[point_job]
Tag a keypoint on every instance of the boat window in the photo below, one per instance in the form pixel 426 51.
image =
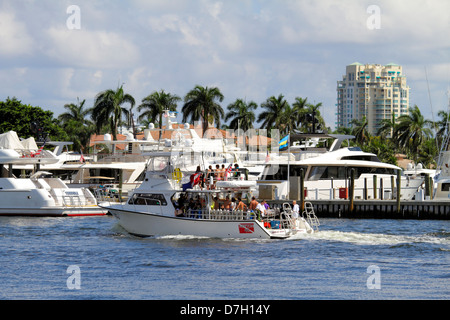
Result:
pixel 149 199
pixel 362 158
pixel 445 187
pixel 270 173
pixel 317 173
pixel 339 172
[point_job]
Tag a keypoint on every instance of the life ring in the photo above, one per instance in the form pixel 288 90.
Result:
pixel 177 175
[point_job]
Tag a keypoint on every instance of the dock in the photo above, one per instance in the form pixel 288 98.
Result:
pixel 377 209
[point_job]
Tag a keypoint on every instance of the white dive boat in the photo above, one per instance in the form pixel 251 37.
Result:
pixel 159 206
pixel 327 176
pixel 40 195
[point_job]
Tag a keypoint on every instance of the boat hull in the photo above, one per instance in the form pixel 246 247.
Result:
pixel 147 224
pixel 54 212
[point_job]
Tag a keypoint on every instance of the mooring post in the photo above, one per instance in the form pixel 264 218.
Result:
pixel 375 186
pixel 398 190
pixel 392 187
pixel 302 190
pixel 352 189
pixel 365 189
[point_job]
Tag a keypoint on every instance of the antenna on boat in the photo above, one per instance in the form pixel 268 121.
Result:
pixel 445 140
pixel 431 105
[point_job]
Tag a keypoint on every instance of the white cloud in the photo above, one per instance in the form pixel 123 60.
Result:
pixel 248 48
pixel 94 49
pixel 14 37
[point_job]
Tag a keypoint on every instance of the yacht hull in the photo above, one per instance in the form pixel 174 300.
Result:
pixel 147 224
pixel 54 212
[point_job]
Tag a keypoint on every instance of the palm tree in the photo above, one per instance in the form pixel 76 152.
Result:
pixel 242 114
pixel 108 109
pixel 386 127
pixel 274 108
pixel 442 127
pixel 301 106
pixel 74 122
pixel 201 103
pixel 75 112
pixel 411 131
pixel 288 119
pixel 313 114
pixel 155 104
pixel 360 131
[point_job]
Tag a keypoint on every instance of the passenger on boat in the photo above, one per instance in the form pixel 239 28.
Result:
pixel 295 209
pixel 209 178
pixel 217 173
pixel 261 207
pixel 216 204
pixel 222 172
pixel 253 204
pixel 233 203
pixel 179 208
pixel 227 203
pixel 241 206
pixel 237 174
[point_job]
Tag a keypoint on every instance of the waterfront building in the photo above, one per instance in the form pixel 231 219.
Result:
pixel 373 91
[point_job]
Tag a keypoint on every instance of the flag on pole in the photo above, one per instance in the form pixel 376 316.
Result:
pixel 267 156
pixel 39 151
pixel 228 171
pixel 284 142
pixel 82 157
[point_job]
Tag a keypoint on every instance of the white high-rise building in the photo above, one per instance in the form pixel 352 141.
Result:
pixel 373 91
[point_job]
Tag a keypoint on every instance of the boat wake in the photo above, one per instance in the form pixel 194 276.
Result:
pixel 357 238
pixel 376 238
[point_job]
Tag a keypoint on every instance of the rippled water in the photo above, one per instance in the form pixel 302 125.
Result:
pixel 346 259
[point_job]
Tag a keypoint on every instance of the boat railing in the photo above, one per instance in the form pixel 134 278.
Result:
pixel 309 215
pixel 386 193
pixel 75 201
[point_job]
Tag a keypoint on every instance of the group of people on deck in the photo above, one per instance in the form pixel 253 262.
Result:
pixel 220 173
pixel 256 206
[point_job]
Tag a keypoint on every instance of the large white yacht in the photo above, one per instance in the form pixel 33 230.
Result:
pixel 327 174
pixel 40 194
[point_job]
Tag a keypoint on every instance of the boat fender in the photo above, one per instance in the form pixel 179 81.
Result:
pixel 177 175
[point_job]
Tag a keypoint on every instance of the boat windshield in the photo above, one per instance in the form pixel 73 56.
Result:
pixel 158 164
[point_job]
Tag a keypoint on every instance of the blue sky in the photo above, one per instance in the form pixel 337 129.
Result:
pixel 249 49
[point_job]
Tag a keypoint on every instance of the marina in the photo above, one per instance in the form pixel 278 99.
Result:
pixel 219 158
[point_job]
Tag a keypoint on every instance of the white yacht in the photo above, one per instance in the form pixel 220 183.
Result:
pixel 327 175
pixel 38 195
pixel 160 206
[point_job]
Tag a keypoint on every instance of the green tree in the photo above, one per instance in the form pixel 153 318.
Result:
pixel 19 117
pixel 108 110
pixel 202 103
pixel 273 109
pixel 381 147
pixel 360 131
pixel 154 105
pixel 78 128
pixel 442 127
pixel 411 131
pixel 287 120
pixel 241 114
pixel 387 127
pixel 312 111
